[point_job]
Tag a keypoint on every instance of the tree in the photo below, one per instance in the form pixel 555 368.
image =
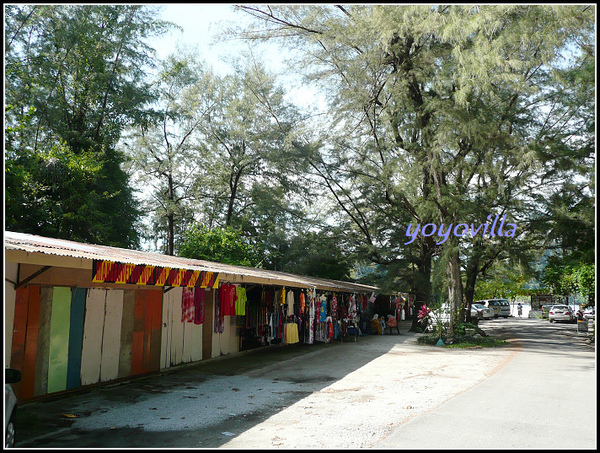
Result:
pixel 222 245
pixel 433 107
pixel 318 255
pixel 248 138
pixel 74 80
pixel 166 151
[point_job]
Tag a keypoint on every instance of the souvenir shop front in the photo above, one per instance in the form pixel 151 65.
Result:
pixel 273 315
pixel 79 314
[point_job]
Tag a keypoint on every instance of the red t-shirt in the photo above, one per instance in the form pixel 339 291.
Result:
pixel 227 296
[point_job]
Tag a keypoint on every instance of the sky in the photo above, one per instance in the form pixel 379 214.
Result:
pixel 201 23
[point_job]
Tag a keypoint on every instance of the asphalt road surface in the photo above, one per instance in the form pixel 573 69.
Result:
pixel 380 392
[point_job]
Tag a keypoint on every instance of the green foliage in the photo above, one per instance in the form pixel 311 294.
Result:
pixel 439 114
pixel 74 80
pixel 502 280
pixel 222 245
pixel 564 278
pixel 316 255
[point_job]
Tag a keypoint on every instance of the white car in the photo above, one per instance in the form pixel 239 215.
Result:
pixel 589 313
pixel 481 311
pixel 10 406
pixel 561 313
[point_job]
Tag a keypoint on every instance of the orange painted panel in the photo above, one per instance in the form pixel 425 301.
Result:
pixel 17 358
pixel 145 349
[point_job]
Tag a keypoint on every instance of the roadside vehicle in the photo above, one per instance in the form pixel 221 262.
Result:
pixel 11 376
pixel 589 313
pixel 561 313
pixel 482 312
pixel 504 308
pixel 493 304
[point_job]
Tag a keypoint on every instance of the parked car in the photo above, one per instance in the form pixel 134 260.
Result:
pixel 504 308
pixel 561 313
pixel 589 313
pixel 478 310
pixel 493 304
pixel 11 376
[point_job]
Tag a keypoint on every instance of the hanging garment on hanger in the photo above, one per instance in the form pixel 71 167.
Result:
pixel 302 303
pixel 281 296
pixel 228 296
pixel 219 322
pixel 290 303
pixel 334 306
pixel 240 303
pixel 323 309
pixel 199 299
pixel 187 305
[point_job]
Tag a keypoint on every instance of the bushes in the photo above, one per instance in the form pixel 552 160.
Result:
pixel 465 335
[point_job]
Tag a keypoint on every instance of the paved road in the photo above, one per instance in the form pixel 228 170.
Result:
pixel 545 398
pixel 381 392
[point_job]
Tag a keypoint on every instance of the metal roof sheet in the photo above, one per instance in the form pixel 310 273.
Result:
pixel 60 247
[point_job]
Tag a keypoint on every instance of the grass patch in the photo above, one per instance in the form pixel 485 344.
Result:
pixel 462 342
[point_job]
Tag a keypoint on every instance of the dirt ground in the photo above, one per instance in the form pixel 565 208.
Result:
pixel 339 395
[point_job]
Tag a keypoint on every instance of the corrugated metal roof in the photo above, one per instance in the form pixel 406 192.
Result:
pixel 61 247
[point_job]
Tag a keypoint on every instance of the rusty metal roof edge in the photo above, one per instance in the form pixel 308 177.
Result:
pixel 62 247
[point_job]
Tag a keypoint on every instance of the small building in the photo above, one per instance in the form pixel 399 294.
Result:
pixel 78 314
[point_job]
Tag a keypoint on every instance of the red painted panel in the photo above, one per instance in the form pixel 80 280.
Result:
pixel 31 343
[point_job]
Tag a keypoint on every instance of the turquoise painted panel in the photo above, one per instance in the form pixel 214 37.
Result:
pixel 76 337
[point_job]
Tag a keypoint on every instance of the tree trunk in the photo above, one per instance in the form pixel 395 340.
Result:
pixel 455 288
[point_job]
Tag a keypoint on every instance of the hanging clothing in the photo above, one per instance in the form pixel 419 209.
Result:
pixel 228 296
pixel 334 307
pixel 199 298
pixel 219 322
pixel 240 303
pixel 291 333
pixel 290 303
pixel 311 316
pixel 281 296
pixel 302 303
pixel 323 309
pixel 187 305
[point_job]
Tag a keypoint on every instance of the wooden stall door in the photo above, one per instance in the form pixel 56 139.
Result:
pixel 145 350
pixel 25 338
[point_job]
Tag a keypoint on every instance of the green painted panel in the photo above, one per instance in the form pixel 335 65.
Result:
pixel 59 339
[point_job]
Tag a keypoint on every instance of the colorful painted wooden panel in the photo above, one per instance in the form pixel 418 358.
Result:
pixel 25 334
pixel 76 337
pixel 91 354
pixel 111 337
pixel 59 339
pixel 145 349
pixel 172 332
pixel 43 342
pixel 126 333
